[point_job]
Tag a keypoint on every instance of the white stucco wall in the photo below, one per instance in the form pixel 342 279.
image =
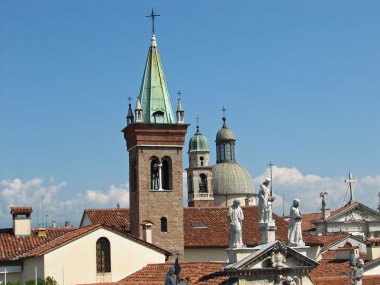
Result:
pixel 75 262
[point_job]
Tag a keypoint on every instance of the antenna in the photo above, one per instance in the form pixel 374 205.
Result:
pixel 42 210
pixel 283 205
pixel 271 178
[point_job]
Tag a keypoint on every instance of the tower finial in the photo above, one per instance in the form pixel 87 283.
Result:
pixel 224 117
pixel 197 124
pixel 152 15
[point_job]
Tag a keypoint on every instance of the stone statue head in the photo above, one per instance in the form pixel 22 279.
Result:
pixel 171 271
pixel 267 181
pixel 236 202
pixel 296 202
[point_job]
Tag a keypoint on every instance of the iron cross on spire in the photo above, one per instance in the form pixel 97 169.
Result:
pixel 152 15
pixel 179 93
pixel 350 181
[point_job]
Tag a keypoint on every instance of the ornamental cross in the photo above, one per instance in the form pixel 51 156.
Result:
pixel 179 93
pixel 152 15
pixel 270 164
pixel 350 181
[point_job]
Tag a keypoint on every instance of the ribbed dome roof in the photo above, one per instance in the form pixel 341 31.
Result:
pixel 231 178
pixel 198 142
pixel 225 134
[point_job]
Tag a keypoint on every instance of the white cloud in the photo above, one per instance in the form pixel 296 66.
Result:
pixel 292 183
pixel 15 192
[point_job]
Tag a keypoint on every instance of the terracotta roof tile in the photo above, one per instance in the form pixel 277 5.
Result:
pixel 12 247
pixel 216 234
pixel 21 210
pixel 329 240
pixel 203 227
pixel 200 273
pixel 116 218
pixel 306 221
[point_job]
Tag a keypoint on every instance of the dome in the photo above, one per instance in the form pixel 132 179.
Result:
pixel 225 134
pixel 198 143
pixel 231 178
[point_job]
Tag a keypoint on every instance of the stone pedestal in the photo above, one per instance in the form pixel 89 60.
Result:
pixel 325 213
pixel 237 254
pixel 267 232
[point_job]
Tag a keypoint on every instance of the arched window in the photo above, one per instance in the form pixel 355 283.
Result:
pixel 103 255
pixel 164 224
pixel 202 183
pixel 222 157
pixel 166 171
pixel 228 151
pixel 154 174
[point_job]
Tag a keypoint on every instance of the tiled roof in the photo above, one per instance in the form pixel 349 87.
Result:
pixel 217 232
pixel 329 240
pixel 307 225
pixel 200 273
pixel 12 247
pixel 116 218
pixel 21 210
pixel 333 271
pixel 373 241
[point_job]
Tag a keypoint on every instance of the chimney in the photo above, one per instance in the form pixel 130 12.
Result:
pixel 373 248
pixel 347 253
pixel 147 230
pixel 22 222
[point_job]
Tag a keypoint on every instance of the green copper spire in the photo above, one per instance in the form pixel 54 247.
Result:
pixel 155 100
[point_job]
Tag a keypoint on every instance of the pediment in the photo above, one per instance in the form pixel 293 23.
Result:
pixel 359 213
pixel 273 256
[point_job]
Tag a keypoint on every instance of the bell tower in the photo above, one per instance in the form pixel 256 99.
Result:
pixel 155 142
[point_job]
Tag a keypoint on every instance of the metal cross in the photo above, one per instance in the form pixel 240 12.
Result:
pixel 350 181
pixel 152 15
pixel 224 111
pixel 129 99
pixel 179 93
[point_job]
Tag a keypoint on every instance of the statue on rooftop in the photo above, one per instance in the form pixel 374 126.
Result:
pixel 169 278
pixel 236 217
pixel 295 220
pixel 266 199
pixel 356 274
pixel 323 195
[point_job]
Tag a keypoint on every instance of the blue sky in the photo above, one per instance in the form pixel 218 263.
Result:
pixel 300 81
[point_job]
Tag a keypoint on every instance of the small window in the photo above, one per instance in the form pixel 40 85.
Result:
pixel 103 255
pixel 164 225
pixel 228 151
pixel 165 175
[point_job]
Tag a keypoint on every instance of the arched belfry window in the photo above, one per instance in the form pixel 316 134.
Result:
pixel 103 255
pixel 154 174
pixel 166 170
pixel 164 224
pixel 203 183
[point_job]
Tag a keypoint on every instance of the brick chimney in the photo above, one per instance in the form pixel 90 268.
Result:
pixel 22 221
